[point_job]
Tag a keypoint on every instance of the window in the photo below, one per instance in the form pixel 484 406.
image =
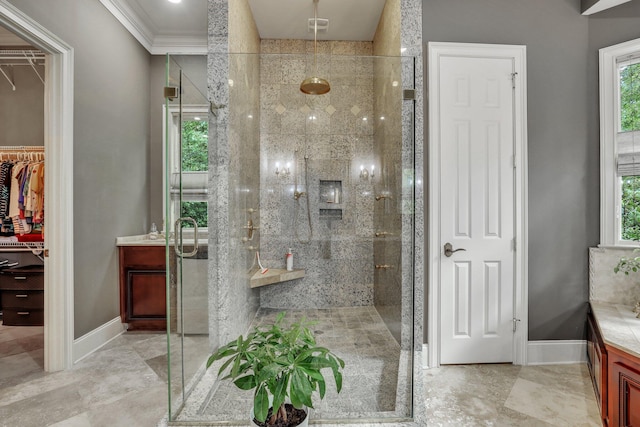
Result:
pixel 194 164
pixel 620 144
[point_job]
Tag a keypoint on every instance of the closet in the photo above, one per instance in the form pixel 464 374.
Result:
pixel 22 166
pixel 21 230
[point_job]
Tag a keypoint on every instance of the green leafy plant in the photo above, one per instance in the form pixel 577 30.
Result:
pixel 628 265
pixel 282 362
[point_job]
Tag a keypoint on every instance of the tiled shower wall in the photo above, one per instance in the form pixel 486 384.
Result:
pixel 335 133
pixel 233 178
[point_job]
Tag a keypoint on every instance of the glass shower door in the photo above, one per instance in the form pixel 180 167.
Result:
pixel 186 176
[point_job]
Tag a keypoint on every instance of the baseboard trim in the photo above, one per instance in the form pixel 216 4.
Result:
pixel 425 356
pixel 93 340
pixel 556 352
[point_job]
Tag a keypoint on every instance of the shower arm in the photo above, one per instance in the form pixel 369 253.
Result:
pixel 315 36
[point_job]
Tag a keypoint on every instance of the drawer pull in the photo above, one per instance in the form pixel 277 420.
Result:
pixel 22 296
pixel 20 278
pixel 23 313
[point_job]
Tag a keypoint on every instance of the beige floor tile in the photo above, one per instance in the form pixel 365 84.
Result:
pixel 552 405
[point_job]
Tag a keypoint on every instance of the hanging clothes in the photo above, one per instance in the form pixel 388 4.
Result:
pixel 22 197
pixel 5 187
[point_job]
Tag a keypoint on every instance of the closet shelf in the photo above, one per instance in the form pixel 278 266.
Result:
pixel 21 246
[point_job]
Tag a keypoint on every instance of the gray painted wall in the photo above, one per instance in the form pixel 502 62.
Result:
pixel 563 144
pixel 111 137
pixel 22 110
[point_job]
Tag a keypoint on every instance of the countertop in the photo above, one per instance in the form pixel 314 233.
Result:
pixel 619 326
pixel 144 240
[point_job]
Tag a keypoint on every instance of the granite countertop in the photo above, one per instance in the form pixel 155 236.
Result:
pixel 619 326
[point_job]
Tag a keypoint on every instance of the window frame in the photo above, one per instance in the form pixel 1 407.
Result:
pixel 171 163
pixel 610 183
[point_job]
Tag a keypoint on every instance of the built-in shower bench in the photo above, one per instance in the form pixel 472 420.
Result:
pixel 274 275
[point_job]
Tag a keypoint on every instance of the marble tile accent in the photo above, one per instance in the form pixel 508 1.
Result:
pixel 607 286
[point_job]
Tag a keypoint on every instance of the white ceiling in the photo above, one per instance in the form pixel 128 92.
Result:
pixel 288 19
pixel 161 26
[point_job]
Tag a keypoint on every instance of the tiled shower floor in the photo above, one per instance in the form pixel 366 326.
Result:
pixel 357 335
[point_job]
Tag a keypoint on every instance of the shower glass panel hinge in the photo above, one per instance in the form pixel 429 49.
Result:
pixel 408 94
pixel 515 324
pixel 170 92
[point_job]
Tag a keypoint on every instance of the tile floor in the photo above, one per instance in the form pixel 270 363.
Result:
pixel 359 336
pixel 124 384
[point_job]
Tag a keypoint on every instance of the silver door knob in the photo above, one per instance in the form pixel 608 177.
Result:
pixel 448 250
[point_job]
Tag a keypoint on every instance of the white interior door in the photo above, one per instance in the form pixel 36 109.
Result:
pixel 477 210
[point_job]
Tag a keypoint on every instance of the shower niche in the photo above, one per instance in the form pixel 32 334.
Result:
pixel 331 198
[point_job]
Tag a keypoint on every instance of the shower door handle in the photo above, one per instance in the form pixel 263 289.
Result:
pixel 177 231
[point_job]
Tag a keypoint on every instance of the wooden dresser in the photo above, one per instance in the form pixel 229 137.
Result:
pixel 22 291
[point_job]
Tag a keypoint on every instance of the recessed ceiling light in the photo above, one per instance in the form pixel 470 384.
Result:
pixel 175 1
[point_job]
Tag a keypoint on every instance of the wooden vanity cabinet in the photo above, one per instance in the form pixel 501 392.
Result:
pixel 143 301
pixel 597 362
pixel 624 388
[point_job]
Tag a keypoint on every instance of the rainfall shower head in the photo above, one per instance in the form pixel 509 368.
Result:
pixel 315 85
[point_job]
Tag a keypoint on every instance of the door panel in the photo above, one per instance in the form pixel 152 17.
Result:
pixel 477 209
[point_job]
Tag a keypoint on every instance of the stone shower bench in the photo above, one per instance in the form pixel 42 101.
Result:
pixel 274 275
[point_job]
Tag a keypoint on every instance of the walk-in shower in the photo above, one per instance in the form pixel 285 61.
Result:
pixel 287 170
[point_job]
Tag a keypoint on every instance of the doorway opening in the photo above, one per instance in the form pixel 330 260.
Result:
pixel 58 184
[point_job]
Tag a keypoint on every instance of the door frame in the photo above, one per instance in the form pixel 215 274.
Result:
pixel 517 53
pixel 58 145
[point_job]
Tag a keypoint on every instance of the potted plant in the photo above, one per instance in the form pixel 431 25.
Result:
pixel 282 364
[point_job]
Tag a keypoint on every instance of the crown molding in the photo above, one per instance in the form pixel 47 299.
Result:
pixel 131 21
pixel 589 7
pixel 184 45
pixel 156 44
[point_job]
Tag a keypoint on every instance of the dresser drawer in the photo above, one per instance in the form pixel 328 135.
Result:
pixel 22 280
pixel 23 299
pixel 22 317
